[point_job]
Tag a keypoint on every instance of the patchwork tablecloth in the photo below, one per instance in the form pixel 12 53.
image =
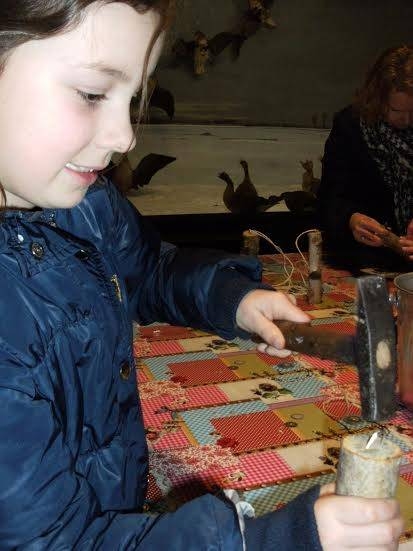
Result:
pixel 220 414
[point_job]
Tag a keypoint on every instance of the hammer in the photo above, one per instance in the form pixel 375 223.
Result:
pixel 372 349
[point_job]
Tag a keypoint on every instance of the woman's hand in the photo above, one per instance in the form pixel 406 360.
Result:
pixel 407 241
pixel 357 523
pixel 256 313
pixel 366 230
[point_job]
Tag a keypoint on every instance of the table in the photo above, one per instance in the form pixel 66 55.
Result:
pixel 220 414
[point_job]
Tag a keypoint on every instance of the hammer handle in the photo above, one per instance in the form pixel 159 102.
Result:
pixel 316 341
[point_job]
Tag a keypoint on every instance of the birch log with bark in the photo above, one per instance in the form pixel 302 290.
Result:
pixel 368 472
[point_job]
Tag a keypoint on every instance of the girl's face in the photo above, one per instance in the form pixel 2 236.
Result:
pixel 64 105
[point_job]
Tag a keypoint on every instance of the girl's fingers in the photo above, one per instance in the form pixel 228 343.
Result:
pixel 360 510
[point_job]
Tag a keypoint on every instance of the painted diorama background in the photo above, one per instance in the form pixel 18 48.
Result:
pixel 309 64
pixel 266 107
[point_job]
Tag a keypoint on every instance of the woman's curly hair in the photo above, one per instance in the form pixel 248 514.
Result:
pixel 392 71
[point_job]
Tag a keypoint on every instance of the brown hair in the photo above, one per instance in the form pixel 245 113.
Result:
pixel 24 20
pixel 392 71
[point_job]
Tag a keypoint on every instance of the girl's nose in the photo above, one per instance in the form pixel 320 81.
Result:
pixel 116 133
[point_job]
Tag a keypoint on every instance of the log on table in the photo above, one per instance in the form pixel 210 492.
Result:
pixel 371 472
pixel 315 289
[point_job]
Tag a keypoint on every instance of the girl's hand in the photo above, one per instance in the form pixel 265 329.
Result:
pixel 366 230
pixel 256 313
pixel 357 523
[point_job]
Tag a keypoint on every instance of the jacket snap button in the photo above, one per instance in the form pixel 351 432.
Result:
pixel 82 254
pixel 37 250
pixel 125 371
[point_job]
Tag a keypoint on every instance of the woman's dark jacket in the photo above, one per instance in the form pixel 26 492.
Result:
pixel 350 182
pixel 73 454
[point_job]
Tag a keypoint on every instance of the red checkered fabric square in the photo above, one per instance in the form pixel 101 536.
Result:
pixel 318 363
pixel 165 348
pixel 141 376
pixel 339 297
pixel 337 409
pixel 208 479
pixel 199 372
pixel 253 431
pixel 402 417
pixel 151 406
pixel 408 477
pixel 302 302
pixel 205 396
pixel 346 376
pixel 171 441
pixel 272 360
pixel 153 493
pixel 259 468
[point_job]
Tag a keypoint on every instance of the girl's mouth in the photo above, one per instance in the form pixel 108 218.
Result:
pixel 85 175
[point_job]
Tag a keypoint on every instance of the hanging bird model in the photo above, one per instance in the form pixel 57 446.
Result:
pixel 257 16
pixel 201 51
pixel 245 199
pixel 126 178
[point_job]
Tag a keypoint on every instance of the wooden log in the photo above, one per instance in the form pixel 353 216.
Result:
pixel 250 243
pixel 368 472
pixel 315 288
pixel 392 241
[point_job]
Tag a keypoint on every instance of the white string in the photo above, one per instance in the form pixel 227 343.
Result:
pixel 292 268
pixel 298 248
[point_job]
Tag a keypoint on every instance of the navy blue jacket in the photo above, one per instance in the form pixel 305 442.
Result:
pixel 73 455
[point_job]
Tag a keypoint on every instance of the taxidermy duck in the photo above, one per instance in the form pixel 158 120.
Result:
pixel 245 199
pixel 299 202
pixel 126 178
pixel 309 183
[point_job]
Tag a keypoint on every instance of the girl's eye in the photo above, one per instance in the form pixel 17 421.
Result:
pixel 91 98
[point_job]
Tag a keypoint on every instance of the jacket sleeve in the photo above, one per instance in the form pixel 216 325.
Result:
pixel 292 528
pixel 197 287
pixel 342 188
pixel 45 505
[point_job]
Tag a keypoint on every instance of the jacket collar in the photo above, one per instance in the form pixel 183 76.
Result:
pixel 35 241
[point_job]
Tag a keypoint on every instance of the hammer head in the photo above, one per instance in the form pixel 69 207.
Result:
pixel 375 349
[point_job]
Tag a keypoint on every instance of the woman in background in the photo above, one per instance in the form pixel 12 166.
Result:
pixel 367 176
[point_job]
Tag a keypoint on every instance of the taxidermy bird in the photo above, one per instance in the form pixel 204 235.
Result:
pixel 310 183
pixel 201 51
pixel 299 202
pixel 126 178
pixel 157 97
pixel 245 199
pixel 254 18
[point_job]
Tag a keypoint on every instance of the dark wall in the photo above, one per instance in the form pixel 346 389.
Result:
pixel 310 64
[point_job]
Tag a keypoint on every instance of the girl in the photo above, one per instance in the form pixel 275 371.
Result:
pixel 77 264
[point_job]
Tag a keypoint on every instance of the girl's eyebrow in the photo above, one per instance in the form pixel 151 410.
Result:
pixel 107 70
